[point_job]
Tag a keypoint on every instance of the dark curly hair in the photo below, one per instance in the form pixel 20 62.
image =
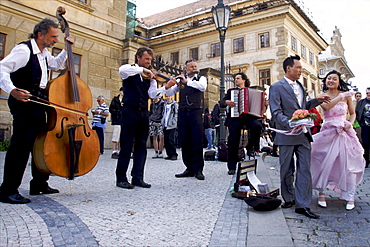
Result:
pixel 247 83
pixel 342 85
pixel 43 26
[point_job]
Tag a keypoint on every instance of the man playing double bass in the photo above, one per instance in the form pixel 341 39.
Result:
pixel 24 74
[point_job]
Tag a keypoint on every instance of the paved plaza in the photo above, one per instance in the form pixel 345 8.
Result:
pixel 92 211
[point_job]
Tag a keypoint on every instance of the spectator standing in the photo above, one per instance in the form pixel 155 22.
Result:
pixel 208 128
pixel 99 122
pixel 363 118
pixel 169 122
pixel 156 127
pixel 356 125
pixel 115 110
pixel 215 115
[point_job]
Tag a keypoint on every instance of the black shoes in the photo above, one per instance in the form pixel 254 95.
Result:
pixel 125 185
pixel 185 174
pixel 115 155
pixel 199 175
pixel 288 204
pixel 141 183
pixel 173 157
pixel 231 172
pixel 307 212
pixel 46 190
pixel 14 199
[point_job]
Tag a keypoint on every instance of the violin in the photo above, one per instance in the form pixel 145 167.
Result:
pixel 160 78
pixel 69 147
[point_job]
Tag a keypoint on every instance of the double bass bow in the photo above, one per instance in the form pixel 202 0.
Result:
pixel 69 147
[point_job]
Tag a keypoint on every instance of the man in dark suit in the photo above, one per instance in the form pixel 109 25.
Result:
pixel 286 96
pixel 190 123
pixel 139 86
pixel 236 124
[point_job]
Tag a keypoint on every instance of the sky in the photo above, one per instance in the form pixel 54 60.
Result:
pixel 350 16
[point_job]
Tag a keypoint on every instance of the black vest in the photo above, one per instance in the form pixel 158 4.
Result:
pixel 28 77
pixel 190 98
pixel 136 92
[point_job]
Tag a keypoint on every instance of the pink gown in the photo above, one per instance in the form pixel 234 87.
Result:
pixel 337 161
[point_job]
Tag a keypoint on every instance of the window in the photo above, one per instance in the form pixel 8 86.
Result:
pixel 303 52
pixel 84 1
pixel 321 71
pixel 193 53
pixel 76 61
pixel 175 57
pixel 264 40
pixel 216 50
pixel 264 77
pixel 294 44
pixel 2 45
pixel 305 82
pixel 238 45
pixel 312 59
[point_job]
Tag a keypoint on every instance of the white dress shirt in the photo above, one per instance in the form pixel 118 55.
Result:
pixel 18 58
pixel 128 70
pixel 298 91
pixel 201 85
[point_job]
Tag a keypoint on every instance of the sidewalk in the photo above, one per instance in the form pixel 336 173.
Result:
pixel 92 211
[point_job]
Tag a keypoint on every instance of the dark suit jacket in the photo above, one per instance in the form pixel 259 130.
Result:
pixel 283 103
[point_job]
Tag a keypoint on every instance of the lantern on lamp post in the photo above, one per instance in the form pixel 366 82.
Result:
pixel 221 14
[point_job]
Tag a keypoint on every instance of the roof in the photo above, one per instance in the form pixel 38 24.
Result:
pixel 180 12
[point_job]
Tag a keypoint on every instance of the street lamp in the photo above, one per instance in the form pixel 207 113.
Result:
pixel 221 14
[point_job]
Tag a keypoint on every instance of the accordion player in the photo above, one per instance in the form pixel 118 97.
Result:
pixel 247 101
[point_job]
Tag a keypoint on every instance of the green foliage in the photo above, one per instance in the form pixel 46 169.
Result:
pixel 4 145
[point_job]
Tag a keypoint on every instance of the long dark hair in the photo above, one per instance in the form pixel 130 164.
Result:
pixel 247 83
pixel 342 85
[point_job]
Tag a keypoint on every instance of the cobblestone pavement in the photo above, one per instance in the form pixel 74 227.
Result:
pixel 336 226
pixel 92 211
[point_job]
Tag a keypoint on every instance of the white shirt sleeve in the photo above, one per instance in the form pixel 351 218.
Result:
pixel 17 59
pixel 55 63
pixel 201 85
pixel 128 70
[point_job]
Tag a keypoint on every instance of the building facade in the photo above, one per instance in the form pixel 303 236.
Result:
pixel 98 27
pixel 260 36
pixel 333 58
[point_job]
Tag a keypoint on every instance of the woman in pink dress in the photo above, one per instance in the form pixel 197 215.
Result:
pixel 337 161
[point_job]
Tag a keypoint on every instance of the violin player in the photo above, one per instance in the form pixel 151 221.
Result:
pixel 24 74
pixel 190 124
pixel 139 85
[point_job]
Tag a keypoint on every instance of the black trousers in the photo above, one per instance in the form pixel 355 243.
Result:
pixel 190 128
pixel 365 136
pixel 134 133
pixel 169 142
pixel 29 119
pixel 100 133
pixel 236 125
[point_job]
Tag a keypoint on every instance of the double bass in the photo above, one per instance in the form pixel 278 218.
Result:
pixel 69 147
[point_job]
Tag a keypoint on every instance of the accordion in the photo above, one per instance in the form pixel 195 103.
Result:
pixel 247 101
